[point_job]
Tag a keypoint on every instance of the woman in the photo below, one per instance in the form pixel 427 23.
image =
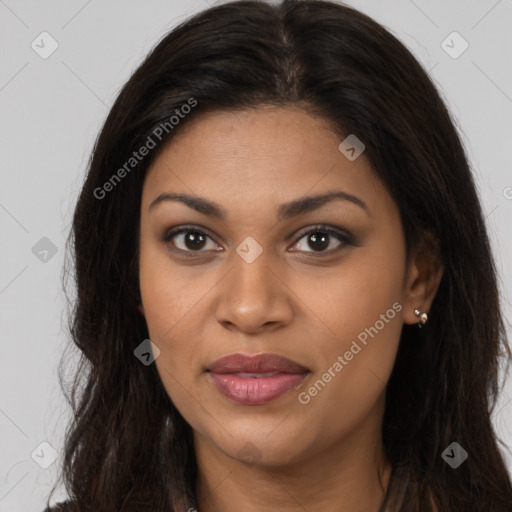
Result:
pixel 286 297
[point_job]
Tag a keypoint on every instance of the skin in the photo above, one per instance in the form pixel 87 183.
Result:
pixel 323 455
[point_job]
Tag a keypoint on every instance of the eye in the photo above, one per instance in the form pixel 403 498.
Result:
pixel 190 239
pixel 193 240
pixel 320 237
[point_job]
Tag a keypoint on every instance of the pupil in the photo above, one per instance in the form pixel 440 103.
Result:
pixel 319 241
pixel 195 239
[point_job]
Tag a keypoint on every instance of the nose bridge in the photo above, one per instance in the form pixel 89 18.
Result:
pixel 251 277
pixel 251 295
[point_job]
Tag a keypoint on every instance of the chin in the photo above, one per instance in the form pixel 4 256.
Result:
pixel 263 445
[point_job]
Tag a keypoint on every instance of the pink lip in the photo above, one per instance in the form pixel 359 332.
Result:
pixel 253 390
pixel 256 390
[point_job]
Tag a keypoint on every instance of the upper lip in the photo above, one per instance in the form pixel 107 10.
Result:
pixel 259 363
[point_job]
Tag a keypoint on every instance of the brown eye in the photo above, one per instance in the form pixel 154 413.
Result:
pixel 321 237
pixel 187 239
pixel 321 240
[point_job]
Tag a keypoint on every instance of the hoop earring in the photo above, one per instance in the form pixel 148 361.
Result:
pixel 423 317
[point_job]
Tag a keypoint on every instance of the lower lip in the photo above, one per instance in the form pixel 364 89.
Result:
pixel 256 390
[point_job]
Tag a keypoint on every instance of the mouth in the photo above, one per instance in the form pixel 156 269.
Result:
pixel 256 375
pixel 256 379
pixel 256 390
pixel 255 363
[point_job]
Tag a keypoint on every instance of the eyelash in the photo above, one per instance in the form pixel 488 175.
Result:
pixel 343 237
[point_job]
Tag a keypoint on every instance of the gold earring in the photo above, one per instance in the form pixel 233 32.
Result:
pixel 423 317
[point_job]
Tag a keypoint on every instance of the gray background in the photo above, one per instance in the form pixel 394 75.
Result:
pixel 51 111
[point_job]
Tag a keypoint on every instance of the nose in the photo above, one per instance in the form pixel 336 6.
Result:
pixel 254 297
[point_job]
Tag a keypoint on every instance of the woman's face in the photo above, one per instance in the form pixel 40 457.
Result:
pixel 262 277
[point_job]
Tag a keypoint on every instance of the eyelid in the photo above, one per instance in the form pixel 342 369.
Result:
pixel 344 237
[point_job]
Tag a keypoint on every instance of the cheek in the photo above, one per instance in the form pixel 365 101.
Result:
pixel 168 303
pixel 364 287
pixel 170 306
pixel 166 297
pixel 362 306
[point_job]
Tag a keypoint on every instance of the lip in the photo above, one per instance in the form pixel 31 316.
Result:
pixel 256 363
pixel 256 379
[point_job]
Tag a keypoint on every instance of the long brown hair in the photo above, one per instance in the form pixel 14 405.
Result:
pixel 128 448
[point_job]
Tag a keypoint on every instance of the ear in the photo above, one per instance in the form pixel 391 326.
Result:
pixel 140 307
pixel 424 273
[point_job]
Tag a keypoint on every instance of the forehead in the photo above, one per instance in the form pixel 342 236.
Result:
pixel 257 156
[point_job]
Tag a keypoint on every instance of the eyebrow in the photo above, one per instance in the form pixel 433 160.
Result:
pixel 284 212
